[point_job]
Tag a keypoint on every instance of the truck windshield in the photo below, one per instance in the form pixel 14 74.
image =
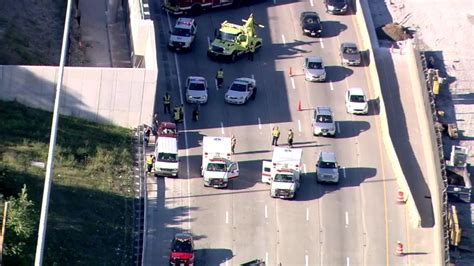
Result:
pixel 327 165
pixel 283 178
pixel 216 167
pixel 227 36
pixel 166 157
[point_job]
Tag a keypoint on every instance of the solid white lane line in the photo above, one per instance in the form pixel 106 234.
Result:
pixel 283 39
pixel 266 257
pixel 259 123
pixel 331 85
pixel 266 211
pixel 311 2
pixel 338 128
pixel 299 125
pixel 180 87
pixel 293 83
pixel 321 42
pixel 347 261
pixel 306 260
pixel 304 168
pixel 347 218
pixel 307 214
pixel 222 128
pixel 217 87
pixel 226 217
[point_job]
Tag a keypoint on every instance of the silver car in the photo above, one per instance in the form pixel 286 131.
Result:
pixel 196 90
pixel 241 90
pixel 314 69
pixel 327 169
pixel 323 123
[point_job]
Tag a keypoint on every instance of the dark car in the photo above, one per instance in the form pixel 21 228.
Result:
pixel 311 24
pixel 337 7
pixel 182 250
pixel 350 54
pixel 167 129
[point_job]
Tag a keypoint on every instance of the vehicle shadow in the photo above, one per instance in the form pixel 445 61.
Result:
pixel 337 73
pixel 348 129
pixel 212 256
pixel 354 176
pixel 332 28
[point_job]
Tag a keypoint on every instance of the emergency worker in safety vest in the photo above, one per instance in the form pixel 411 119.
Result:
pixel 167 104
pixel 275 136
pixel 290 138
pixel 233 142
pixel 150 160
pixel 177 114
pixel 220 78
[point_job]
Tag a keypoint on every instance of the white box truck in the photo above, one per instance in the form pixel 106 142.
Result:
pixel 283 172
pixel 167 159
pixel 217 166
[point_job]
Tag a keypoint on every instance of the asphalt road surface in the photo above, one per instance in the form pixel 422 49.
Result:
pixel 353 223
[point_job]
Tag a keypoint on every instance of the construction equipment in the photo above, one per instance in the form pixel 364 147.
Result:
pixel 459 184
pixel 232 40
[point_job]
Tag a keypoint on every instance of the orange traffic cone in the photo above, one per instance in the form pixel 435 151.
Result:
pixel 290 73
pixel 299 106
pixel 400 197
pixel 399 249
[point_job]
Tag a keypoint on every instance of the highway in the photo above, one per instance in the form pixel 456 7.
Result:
pixel 356 222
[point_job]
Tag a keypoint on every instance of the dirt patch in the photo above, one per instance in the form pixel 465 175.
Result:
pixel 31 31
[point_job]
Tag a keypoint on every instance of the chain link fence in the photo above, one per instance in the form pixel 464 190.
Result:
pixel 139 202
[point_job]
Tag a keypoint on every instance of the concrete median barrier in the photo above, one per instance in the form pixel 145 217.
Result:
pixel 369 42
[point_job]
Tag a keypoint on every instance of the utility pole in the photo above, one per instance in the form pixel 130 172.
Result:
pixel 52 143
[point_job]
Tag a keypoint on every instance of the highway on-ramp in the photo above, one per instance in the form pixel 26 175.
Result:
pixel 353 223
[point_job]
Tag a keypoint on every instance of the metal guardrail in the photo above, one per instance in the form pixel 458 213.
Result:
pixel 428 92
pixel 139 201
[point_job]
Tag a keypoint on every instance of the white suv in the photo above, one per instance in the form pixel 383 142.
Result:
pixel 182 36
pixel 356 101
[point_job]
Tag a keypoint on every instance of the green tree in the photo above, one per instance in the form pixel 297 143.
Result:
pixel 20 227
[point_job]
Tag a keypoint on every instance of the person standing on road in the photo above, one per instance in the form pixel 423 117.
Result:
pixel 150 160
pixel 275 135
pixel 220 78
pixel 196 112
pixel 147 135
pixel 167 103
pixel 176 114
pixel 233 142
pixel 290 138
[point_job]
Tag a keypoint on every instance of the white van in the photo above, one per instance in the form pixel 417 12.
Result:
pixel 166 154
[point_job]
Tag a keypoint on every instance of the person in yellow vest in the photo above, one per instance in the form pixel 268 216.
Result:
pixel 275 135
pixel 150 160
pixel 220 78
pixel 177 114
pixel 233 141
pixel 167 104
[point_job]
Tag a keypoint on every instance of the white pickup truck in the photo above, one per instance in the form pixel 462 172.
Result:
pixel 217 167
pixel 283 172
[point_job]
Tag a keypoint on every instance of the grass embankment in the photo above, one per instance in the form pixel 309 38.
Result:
pixel 90 212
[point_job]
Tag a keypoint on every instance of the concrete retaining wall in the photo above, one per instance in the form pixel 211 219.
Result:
pixel 119 96
pixel 142 33
pixel 369 39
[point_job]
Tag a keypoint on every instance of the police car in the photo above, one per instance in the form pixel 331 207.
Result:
pixel 182 36
pixel 196 90
pixel 241 90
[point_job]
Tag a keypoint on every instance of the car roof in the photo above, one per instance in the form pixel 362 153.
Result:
pixel 241 81
pixel 324 110
pixel 349 44
pixel 356 91
pixel 314 58
pixel 184 23
pixel 328 156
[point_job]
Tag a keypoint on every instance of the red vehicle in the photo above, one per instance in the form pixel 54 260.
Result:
pixel 167 129
pixel 182 250
pixel 195 7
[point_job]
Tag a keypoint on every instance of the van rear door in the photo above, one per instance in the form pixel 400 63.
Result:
pixel 266 171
